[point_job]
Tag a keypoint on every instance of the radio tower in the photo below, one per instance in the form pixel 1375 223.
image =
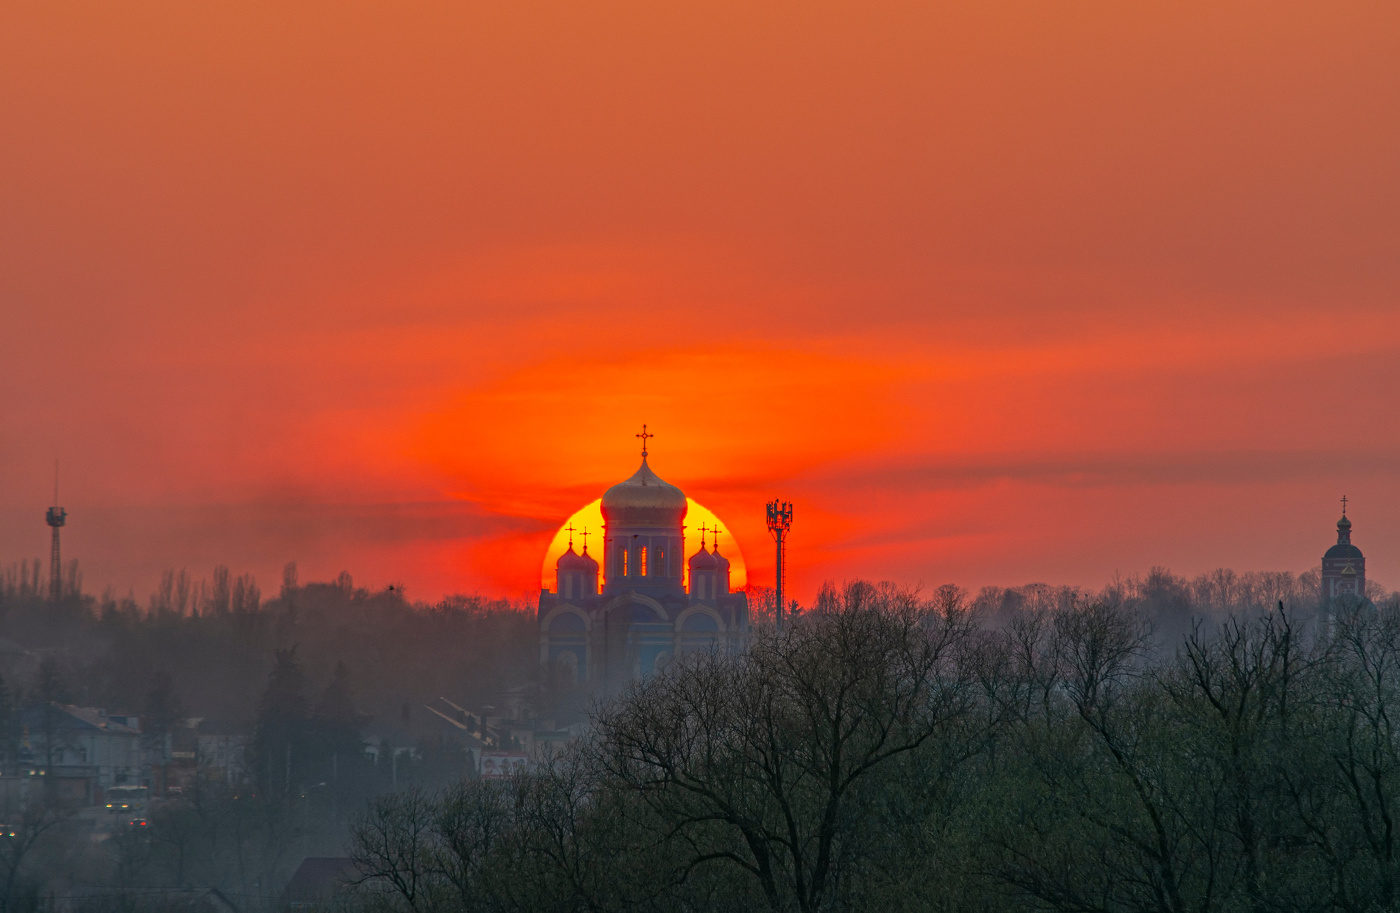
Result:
pixel 779 522
pixel 56 518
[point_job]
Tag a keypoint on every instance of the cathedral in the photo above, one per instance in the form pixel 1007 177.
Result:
pixel 648 609
pixel 1343 565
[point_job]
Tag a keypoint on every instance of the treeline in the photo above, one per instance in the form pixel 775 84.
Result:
pixel 1171 605
pixel 886 751
pixel 216 640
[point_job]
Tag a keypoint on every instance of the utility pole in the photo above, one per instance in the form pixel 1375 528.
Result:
pixel 779 522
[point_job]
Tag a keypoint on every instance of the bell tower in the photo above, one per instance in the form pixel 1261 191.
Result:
pixel 1343 565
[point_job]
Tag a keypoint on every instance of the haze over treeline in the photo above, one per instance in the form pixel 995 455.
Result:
pixel 216 636
pixel 329 687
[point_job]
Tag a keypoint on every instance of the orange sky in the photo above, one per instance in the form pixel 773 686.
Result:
pixel 993 292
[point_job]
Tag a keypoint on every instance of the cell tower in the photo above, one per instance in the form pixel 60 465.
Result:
pixel 56 517
pixel 779 522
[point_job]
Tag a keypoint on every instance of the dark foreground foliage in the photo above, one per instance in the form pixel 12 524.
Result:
pixel 891 753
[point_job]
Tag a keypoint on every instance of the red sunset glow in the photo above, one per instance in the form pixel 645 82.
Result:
pixel 993 292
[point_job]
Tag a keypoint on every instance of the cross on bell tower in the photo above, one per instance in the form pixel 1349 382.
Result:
pixel 644 435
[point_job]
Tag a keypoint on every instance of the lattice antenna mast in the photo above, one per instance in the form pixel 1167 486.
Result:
pixel 779 523
pixel 56 517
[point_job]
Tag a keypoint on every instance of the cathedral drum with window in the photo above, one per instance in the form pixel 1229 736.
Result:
pixel 644 614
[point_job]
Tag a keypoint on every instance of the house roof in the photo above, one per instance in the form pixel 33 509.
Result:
pixel 93 718
pixel 82 719
pixel 318 877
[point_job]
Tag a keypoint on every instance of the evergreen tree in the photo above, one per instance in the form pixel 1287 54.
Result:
pixel 50 690
pixel 163 709
pixel 282 739
pixel 340 723
pixel 340 727
pixel 49 684
pixel 8 743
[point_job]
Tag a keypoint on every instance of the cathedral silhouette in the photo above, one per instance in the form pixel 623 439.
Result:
pixel 648 610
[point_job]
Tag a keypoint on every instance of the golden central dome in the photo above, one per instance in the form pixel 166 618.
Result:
pixel 644 500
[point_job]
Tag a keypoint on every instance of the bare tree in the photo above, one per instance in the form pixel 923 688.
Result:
pixel 1355 822
pixel 415 851
pixel 473 818
pixel 17 845
pixel 1094 821
pixel 760 762
pixel 1234 695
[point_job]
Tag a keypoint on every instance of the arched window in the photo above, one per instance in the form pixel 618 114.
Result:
pixel 567 590
pixel 624 561
pixel 642 561
pixel 661 559
pixel 700 623
pixel 567 623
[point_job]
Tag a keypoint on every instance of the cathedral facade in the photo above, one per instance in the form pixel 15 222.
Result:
pixel 648 602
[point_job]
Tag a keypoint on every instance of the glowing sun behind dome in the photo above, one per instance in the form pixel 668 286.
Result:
pixel 658 600
pixel 590 518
